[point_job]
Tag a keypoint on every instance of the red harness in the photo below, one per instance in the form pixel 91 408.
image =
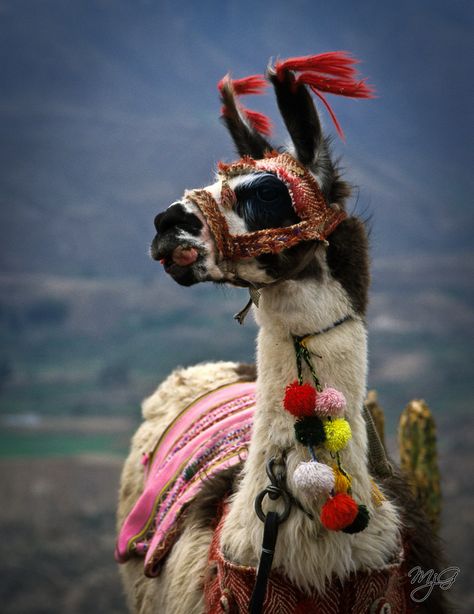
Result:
pixel 228 588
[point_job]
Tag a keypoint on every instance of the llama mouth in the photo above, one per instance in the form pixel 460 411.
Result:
pixel 181 257
pixel 178 260
pixel 169 253
pixel 184 256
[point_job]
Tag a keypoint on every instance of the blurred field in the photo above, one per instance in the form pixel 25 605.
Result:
pixel 58 536
pixel 94 346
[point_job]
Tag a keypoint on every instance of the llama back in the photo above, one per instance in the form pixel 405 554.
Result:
pixel 181 388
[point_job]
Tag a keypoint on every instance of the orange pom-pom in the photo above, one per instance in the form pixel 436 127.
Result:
pixel 300 399
pixel 339 512
pixel 341 481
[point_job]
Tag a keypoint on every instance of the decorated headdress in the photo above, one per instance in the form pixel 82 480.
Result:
pixel 332 73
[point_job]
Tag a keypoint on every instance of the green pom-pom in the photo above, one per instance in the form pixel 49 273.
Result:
pixel 310 431
pixel 361 521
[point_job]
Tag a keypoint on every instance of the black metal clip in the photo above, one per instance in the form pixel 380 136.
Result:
pixel 274 491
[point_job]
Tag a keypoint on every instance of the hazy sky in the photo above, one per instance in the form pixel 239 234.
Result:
pixel 109 110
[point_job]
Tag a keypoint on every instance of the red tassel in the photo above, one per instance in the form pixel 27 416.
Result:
pixel 254 84
pixel 259 121
pixel 332 73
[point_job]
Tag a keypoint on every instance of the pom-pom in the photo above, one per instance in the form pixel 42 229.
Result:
pixel 360 522
pixel 314 478
pixel 300 399
pixel 341 481
pixel 338 432
pixel 330 402
pixel 310 431
pixel 339 512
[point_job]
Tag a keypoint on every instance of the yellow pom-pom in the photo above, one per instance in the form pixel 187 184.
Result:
pixel 338 432
pixel 342 482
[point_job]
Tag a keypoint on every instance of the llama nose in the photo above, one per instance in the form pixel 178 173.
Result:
pixel 176 217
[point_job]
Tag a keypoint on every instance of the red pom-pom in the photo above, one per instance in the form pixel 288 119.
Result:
pixel 300 399
pixel 339 512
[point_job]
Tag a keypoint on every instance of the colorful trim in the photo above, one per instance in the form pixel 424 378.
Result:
pixel 318 219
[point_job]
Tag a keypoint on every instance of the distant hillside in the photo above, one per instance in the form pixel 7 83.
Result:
pixel 89 345
pixel 110 110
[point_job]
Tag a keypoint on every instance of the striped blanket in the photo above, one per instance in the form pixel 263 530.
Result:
pixel 208 436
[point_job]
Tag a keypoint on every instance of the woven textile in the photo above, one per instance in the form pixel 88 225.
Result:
pixel 229 588
pixel 210 435
pixel 318 218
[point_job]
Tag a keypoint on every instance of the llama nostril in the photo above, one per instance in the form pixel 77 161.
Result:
pixel 176 217
pixel 156 221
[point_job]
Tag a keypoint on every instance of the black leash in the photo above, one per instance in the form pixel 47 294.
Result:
pixel 270 534
pixel 271 521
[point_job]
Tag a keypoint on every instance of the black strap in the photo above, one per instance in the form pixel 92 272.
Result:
pixel 343 320
pixel 270 533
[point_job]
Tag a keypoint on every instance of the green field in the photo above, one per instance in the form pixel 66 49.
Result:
pixel 33 444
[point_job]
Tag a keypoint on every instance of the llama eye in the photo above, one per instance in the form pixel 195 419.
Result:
pixel 264 202
pixel 268 193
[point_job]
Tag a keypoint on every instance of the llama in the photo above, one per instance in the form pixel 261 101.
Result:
pixel 275 222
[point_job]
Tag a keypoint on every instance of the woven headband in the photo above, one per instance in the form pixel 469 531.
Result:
pixel 318 219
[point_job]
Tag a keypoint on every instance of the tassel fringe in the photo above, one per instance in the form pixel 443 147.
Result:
pixel 254 84
pixel 328 73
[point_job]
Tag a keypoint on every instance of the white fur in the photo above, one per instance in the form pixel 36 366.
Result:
pixel 306 552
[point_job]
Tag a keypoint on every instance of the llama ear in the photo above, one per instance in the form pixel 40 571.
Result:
pixel 299 114
pixel 244 126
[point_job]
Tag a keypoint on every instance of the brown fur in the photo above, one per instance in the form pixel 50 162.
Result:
pixel 348 260
pixel 246 372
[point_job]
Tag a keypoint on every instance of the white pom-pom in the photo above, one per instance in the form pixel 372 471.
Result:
pixel 313 478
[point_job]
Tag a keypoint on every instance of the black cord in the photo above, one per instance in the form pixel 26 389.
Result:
pixel 270 534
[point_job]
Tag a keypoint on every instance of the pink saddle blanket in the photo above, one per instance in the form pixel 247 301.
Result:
pixel 207 437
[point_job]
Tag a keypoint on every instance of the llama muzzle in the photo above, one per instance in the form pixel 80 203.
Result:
pixel 184 256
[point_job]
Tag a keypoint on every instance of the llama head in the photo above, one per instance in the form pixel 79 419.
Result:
pixel 266 215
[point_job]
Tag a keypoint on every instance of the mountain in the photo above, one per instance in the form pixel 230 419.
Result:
pixel 109 111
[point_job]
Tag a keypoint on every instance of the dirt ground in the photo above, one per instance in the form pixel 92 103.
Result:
pixel 57 536
pixel 57 532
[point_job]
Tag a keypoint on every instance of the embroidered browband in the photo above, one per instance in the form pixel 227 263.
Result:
pixel 318 219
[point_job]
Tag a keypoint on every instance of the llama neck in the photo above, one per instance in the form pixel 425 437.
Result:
pixel 339 358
